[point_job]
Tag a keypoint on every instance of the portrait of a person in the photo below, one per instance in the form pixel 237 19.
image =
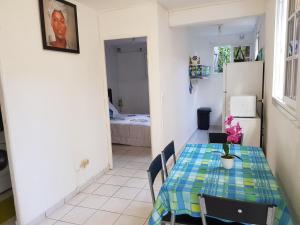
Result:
pixel 59 25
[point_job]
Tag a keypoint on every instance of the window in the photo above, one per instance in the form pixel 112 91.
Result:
pixel 221 56
pixel 241 54
pixel 287 34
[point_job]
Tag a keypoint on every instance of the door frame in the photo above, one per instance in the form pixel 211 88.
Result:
pixel 106 100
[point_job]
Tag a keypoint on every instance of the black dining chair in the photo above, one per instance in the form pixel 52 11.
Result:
pixel 154 169
pixel 166 154
pixel 238 211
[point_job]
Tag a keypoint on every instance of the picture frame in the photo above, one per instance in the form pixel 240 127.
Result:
pixel 59 26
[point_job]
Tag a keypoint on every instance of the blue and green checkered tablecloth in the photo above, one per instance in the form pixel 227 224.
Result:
pixel 199 171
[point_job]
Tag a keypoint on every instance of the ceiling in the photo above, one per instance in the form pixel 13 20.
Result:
pixel 237 26
pixel 169 4
pixel 177 4
pixel 111 4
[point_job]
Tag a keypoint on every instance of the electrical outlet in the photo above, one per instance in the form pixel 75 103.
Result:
pixel 84 163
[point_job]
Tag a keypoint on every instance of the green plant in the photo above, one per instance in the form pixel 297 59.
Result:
pixel 223 57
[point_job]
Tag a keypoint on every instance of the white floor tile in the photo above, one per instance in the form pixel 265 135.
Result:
pixel 112 172
pixel 135 165
pixel 94 201
pixel 130 220
pixel 127 193
pixel 103 218
pixel 116 205
pixel 141 174
pixel 63 223
pixel 107 190
pixel 126 172
pixel 47 221
pixel 136 182
pixel 77 199
pixel 59 213
pixel 78 215
pixel 103 178
pixel 139 209
pixel 117 180
pixel 91 188
pixel 144 196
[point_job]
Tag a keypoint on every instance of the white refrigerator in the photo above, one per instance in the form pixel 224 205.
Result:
pixel 245 79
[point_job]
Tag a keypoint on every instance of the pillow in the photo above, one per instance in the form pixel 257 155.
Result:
pixel 115 112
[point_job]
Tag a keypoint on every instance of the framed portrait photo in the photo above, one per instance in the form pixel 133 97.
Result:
pixel 59 25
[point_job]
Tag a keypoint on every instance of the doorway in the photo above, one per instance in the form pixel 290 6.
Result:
pixel 129 107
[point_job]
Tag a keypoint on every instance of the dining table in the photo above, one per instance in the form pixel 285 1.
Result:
pixel 198 170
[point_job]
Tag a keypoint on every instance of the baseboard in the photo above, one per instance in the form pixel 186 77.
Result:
pixel 66 199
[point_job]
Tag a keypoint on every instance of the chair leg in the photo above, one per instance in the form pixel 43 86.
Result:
pixel 204 222
pixel 172 218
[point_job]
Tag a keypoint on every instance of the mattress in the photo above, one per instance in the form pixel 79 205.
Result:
pixel 131 129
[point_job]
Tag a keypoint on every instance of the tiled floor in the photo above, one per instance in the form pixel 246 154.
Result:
pixel 119 197
pixel 201 136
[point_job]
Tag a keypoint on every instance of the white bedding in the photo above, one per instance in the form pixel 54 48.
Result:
pixel 131 129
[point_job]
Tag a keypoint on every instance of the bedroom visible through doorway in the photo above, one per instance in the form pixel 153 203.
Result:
pixel 129 108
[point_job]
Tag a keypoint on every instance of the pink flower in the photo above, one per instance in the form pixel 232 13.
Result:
pixel 234 131
pixel 230 130
pixel 228 120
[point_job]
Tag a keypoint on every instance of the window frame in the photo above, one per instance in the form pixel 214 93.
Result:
pixel 285 104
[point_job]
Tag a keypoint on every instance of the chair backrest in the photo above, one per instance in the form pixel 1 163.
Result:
pixel 166 155
pixel 153 170
pixel 238 211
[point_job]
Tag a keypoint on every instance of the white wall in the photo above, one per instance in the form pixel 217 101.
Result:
pixel 179 106
pixel 53 103
pixel 282 135
pixel 210 92
pixel 128 77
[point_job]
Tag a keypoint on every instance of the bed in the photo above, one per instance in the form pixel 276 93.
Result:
pixel 129 129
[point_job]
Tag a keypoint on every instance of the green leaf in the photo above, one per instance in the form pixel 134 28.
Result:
pixel 226 149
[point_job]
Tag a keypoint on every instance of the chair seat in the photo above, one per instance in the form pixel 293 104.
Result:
pixel 189 220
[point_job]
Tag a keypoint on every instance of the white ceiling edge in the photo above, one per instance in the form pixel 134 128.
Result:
pixel 201 5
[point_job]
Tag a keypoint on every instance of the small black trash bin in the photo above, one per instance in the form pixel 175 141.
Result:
pixel 203 118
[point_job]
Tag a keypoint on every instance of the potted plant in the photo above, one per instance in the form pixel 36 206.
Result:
pixel 234 132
